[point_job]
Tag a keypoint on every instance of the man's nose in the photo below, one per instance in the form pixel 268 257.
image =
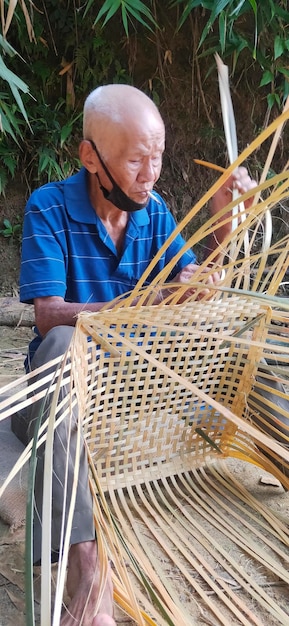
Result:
pixel 147 171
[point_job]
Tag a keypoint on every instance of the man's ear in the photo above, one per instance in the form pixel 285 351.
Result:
pixel 87 156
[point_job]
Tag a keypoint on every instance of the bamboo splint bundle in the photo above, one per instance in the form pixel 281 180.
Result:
pixel 169 393
pixel 164 399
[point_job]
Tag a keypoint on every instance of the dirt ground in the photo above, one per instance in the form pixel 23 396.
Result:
pixel 13 342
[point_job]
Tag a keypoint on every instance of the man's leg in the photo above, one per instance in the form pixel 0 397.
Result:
pixel 83 573
pixel 82 584
pixel 53 345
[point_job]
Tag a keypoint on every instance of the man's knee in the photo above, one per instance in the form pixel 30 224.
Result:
pixel 54 344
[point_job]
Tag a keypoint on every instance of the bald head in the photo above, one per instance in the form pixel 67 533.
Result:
pixel 110 108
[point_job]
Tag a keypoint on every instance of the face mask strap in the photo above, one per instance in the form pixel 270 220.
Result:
pixel 116 195
pixel 102 162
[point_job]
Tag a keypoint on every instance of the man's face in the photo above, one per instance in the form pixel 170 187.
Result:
pixel 133 156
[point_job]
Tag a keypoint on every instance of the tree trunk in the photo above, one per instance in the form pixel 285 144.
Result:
pixel 14 313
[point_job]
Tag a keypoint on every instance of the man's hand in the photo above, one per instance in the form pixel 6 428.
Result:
pixel 185 276
pixel 239 180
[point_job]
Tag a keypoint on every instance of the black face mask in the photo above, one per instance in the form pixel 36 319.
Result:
pixel 116 195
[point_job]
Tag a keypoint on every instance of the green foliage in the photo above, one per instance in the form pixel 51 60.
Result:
pixel 261 28
pixel 70 49
pixel 71 57
pixel 8 112
pixel 12 232
pixel 51 146
pixel 129 9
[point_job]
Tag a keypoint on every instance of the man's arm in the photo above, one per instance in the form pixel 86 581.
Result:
pixel 239 180
pixel 54 311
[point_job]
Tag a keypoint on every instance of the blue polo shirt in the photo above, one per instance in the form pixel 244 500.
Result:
pixel 67 252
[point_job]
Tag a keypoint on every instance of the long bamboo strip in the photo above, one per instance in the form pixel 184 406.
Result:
pixel 112 541
pixel 241 537
pixel 200 564
pixel 215 519
pixel 130 531
pixel 240 492
pixel 159 536
pixel 277 529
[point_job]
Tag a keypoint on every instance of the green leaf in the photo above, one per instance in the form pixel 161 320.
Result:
pixel 7 48
pixel 11 163
pixel 286 89
pixel 267 78
pixel 43 162
pixel 111 12
pixel 253 4
pixel 65 133
pixel 284 71
pixel 223 30
pixel 187 10
pixel 10 77
pixel 277 10
pixel 238 8
pixel 88 6
pixel 135 8
pixel 110 7
pixel 278 47
pixel 124 20
pixel 273 98
pixel 141 8
pixel 8 121
pixel 218 7
pixel 18 99
pixel 3 181
pixel 138 17
pixel 15 84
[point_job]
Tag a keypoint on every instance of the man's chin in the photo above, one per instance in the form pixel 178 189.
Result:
pixel 142 202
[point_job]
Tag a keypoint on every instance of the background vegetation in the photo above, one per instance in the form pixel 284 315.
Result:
pixel 54 52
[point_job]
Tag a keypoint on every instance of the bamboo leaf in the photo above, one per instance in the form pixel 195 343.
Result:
pixel 11 9
pixel 124 20
pixel 18 99
pixel 223 30
pixel 12 78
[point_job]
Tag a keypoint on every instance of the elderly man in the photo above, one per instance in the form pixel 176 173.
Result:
pixel 87 240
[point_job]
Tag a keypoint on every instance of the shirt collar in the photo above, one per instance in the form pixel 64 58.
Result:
pixel 77 199
pixel 78 203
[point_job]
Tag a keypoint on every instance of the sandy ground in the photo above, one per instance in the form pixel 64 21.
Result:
pixel 13 343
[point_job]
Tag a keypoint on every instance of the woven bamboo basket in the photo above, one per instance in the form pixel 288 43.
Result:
pixel 166 395
pixel 170 394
